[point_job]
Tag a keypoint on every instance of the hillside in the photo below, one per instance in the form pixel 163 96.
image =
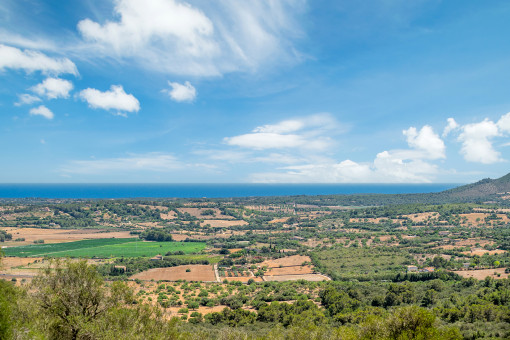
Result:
pixel 485 189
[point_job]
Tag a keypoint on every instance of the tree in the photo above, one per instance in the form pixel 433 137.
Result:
pixel 71 294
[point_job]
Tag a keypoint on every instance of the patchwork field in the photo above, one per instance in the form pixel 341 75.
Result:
pixel 196 273
pixel 104 248
pixel 60 235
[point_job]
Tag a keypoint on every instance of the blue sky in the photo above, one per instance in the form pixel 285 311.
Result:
pixel 263 91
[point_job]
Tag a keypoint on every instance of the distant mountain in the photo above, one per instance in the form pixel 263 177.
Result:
pixel 486 189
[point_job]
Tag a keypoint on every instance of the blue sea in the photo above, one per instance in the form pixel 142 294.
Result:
pixel 206 190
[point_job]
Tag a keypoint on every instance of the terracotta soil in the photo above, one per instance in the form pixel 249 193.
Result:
pixel 290 270
pixel 307 277
pixel 198 272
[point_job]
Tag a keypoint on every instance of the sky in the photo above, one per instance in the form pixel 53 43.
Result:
pixel 276 91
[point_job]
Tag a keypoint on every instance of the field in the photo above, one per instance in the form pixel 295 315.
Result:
pixel 60 235
pixel 104 248
pixel 360 263
pixel 306 277
pixel 197 272
pixel 295 260
pixel 480 274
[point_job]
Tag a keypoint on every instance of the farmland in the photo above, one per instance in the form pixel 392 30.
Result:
pixel 332 262
pixel 103 248
pixel 187 272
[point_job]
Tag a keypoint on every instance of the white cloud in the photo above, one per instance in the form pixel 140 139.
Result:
pixel 154 161
pixel 452 125
pixel 27 99
pixel 31 61
pixel 264 140
pixel 42 111
pixel 114 99
pixel 176 37
pixel 427 141
pixel 181 92
pixel 394 166
pixel 504 123
pixel 53 88
pixel 308 133
pixel 476 144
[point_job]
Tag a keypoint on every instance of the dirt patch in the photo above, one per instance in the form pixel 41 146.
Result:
pixel 307 277
pixel 171 215
pixel 295 260
pixel 279 220
pixel 243 279
pixel 480 252
pixel 294 270
pixel 10 262
pixel 197 212
pixel 224 223
pixel 198 272
pixel 481 274
pixel 420 217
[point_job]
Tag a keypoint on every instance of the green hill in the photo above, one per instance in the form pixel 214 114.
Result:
pixel 486 189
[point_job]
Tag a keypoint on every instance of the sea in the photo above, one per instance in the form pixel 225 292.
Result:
pixel 216 190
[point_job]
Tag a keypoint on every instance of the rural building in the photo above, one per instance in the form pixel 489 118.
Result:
pixel 427 270
pixel 412 268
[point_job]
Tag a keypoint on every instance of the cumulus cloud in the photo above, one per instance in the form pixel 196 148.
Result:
pixel 504 123
pixel 154 161
pixel 426 141
pixel 395 166
pixel 202 39
pixel 306 133
pixel 181 92
pixel 452 125
pixel 476 142
pixel 42 111
pixel 31 61
pixel 27 99
pixel 53 88
pixel 114 99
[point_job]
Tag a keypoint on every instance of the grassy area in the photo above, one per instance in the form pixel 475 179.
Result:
pixel 360 263
pixel 198 257
pixel 104 248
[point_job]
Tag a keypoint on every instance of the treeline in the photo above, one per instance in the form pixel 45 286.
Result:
pixel 5 236
pixel 122 268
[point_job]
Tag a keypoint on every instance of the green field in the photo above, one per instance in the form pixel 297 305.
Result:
pixel 343 263
pixel 104 248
